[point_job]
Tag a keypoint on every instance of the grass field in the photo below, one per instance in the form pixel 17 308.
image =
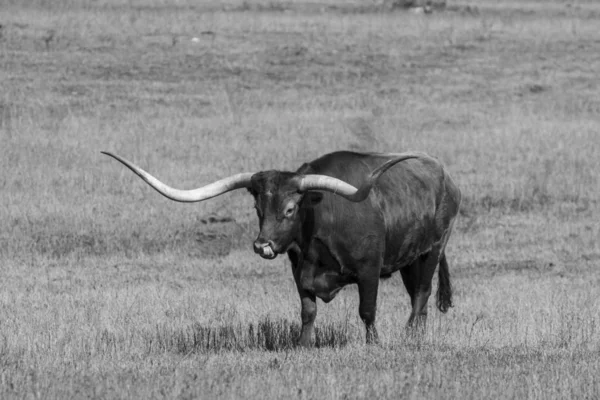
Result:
pixel 108 290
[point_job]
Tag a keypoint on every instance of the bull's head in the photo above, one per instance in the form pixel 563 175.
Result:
pixel 279 198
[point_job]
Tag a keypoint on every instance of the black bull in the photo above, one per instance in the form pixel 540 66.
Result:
pixel 400 220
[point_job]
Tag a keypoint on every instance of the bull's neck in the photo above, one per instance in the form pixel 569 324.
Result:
pixel 307 227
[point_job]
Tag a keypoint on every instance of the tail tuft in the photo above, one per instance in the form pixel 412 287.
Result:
pixel 444 292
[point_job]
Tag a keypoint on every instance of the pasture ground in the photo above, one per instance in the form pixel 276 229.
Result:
pixel 108 290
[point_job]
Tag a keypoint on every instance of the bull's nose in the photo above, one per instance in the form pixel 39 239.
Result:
pixel 260 244
pixel 265 248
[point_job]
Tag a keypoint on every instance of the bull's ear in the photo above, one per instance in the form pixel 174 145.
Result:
pixel 313 198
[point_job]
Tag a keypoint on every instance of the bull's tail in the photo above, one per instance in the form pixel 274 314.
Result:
pixel 444 291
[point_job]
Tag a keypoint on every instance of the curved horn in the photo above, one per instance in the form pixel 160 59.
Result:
pixel 214 189
pixel 344 189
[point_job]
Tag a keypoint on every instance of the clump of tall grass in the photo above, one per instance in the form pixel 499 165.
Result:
pixel 266 334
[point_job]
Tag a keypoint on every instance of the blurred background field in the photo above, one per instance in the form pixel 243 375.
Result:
pixel 110 290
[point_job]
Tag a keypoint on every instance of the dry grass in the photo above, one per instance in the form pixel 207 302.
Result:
pixel 109 290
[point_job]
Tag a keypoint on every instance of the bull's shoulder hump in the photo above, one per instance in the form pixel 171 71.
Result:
pixel 353 166
pixel 331 163
pixel 305 169
pixel 352 157
pixel 423 157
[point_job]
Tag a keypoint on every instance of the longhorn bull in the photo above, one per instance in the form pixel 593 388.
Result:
pixel 343 219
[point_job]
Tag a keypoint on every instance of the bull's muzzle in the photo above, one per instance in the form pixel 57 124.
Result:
pixel 265 248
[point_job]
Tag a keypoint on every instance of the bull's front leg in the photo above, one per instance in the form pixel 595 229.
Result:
pixel 368 261
pixel 307 298
pixel 368 287
pixel 308 313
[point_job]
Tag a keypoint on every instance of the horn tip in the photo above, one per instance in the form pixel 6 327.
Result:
pixel 108 153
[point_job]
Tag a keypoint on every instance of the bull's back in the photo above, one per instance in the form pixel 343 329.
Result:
pixel 404 206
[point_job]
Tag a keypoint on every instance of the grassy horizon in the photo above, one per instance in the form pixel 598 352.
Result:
pixel 109 290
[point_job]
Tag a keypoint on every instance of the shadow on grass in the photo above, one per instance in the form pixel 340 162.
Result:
pixel 267 334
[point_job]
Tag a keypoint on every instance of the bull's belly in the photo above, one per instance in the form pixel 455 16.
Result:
pixel 388 269
pixel 326 285
pixel 397 264
pixel 405 256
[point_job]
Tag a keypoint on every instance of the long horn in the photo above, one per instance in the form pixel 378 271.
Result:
pixel 344 189
pixel 214 189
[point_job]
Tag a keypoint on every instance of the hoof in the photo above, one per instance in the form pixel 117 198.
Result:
pixel 305 343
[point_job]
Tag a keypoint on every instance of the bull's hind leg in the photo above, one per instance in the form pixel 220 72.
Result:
pixel 409 278
pixel 417 280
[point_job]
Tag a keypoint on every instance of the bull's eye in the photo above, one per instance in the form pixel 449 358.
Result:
pixel 289 211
